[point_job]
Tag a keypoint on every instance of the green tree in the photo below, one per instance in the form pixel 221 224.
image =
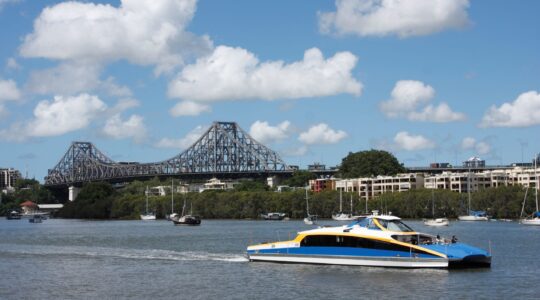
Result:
pixel 370 163
pixel 93 202
pixel 300 178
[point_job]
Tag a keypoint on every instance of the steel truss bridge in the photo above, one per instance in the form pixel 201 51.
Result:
pixel 223 151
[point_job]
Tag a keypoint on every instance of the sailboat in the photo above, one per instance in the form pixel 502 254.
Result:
pixel 435 221
pixel 341 216
pixel 473 215
pixel 148 216
pixel 186 219
pixel 534 219
pixel 173 214
pixel 309 219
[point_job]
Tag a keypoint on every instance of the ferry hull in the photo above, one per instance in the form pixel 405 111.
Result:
pixel 352 261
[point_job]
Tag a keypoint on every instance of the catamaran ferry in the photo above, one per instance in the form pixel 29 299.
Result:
pixel 376 240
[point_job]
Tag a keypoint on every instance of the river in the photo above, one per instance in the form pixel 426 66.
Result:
pixel 68 259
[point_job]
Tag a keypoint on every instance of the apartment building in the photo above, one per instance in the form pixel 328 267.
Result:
pixel 8 177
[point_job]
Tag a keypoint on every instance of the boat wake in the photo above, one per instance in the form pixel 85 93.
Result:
pixel 142 254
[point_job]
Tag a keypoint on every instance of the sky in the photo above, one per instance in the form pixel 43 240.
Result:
pixel 429 81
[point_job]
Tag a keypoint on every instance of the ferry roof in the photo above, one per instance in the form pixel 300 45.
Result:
pixel 385 217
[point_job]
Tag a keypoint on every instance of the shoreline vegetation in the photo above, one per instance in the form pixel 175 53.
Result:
pixel 101 201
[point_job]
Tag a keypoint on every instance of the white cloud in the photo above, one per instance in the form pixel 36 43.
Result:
pixel 264 133
pixel 234 74
pixel 133 127
pixel 184 142
pixel 322 134
pixel 440 114
pixel 57 117
pixel 407 95
pixel 189 108
pixel 522 112
pixel 483 148
pixel 3 111
pixel 405 141
pixel 410 95
pixel 404 18
pixel 144 32
pixel 9 90
pixel 468 143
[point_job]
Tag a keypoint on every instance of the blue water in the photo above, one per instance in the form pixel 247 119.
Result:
pixel 69 259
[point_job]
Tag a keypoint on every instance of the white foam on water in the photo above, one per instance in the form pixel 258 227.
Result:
pixel 145 254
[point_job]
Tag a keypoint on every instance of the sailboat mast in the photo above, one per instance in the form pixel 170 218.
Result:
pixel 469 191
pixel 351 205
pixel 535 183
pixel 340 200
pixel 307 202
pixel 172 196
pixel 146 199
pixel 433 202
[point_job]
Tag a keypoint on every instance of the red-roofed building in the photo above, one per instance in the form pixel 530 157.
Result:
pixel 29 207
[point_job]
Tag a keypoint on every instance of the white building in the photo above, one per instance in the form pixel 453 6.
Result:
pixel 8 177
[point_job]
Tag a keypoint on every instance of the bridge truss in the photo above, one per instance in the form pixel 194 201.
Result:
pixel 224 149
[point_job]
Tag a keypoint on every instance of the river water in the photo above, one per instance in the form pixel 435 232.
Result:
pixel 67 259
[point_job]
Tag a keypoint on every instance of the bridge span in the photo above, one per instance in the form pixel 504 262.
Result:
pixel 223 151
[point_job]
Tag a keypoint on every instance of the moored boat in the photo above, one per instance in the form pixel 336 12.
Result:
pixel 187 220
pixel 534 219
pixel 437 222
pixel 13 215
pixel 472 215
pixel 383 241
pixel 274 216
pixel 147 216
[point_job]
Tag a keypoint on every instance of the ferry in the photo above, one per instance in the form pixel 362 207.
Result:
pixel 376 240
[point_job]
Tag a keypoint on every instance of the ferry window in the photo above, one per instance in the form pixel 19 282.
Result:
pixel 371 225
pixel 362 222
pixel 394 225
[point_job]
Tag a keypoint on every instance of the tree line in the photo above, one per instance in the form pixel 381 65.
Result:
pixel 101 201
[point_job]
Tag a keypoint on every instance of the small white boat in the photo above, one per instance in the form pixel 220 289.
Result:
pixel 473 215
pixel 184 219
pixel 381 241
pixel 437 222
pixel 274 216
pixel 342 216
pixel 534 219
pixel 147 216
pixel 309 219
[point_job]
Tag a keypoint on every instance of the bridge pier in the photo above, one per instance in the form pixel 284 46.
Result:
pixel 73 193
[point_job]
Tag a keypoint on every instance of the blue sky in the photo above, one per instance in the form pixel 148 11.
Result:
pixel 427 80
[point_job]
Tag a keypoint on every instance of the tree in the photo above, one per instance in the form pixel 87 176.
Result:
pixel 369 163
pixel 300 178
pixel 93 202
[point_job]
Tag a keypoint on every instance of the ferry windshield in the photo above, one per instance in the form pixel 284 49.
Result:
pixel 394 225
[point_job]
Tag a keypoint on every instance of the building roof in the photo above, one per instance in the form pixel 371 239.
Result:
pixel 28 203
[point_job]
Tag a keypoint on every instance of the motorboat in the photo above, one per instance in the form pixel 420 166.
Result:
pixel 147 216
pixel 376 240
pixel 437 222
pixel 13 215
pixel 36 219
pixel 273 216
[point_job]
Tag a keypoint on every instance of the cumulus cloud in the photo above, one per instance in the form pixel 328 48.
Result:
pixel 405 141
pixel 57 117
pixel 234 74
pixel 189 108
pixel 403 18
pixel 522 112
pixel 440 114
pixel 11 63
pixel 9 90
pixel 185 142
pixel 133 127
pixel 410 95
pixel 265 133
pixel 143 32
pixel 321 134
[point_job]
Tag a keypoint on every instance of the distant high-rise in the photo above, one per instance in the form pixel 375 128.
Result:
pixel 8 177
pixel 474 162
